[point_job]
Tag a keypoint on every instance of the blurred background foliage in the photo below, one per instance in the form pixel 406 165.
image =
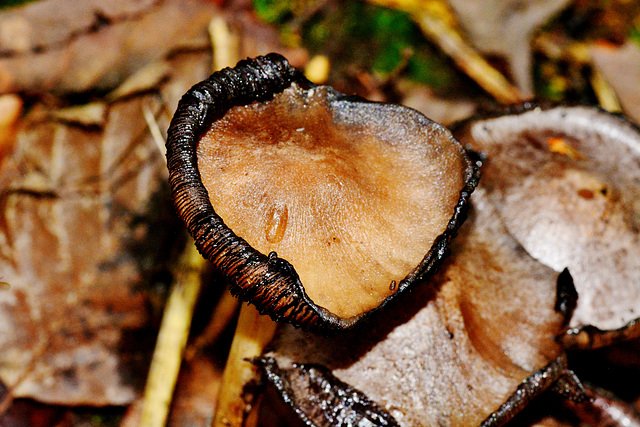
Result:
pixel 387 43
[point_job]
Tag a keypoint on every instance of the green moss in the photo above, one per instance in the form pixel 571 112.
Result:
pixel 634 34
pixel 380 40
pixel 430 70
pixel 273 11
pixel 5 4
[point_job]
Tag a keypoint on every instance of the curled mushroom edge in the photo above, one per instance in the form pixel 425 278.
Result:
pixel 268 87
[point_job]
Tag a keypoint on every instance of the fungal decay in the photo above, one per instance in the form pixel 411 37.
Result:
pixel 324 210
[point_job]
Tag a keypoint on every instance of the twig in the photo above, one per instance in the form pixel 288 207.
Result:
pixel 604 92
pixel 225 43
pixel 154 129
pixel 172 338
pixel 447 38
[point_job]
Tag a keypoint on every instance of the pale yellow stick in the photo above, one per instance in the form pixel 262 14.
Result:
pixel 607 97
pixel 468 59
pixel 253 333
pixel 154 129
pixel 172 338
pixel 225 43
pixel 445 36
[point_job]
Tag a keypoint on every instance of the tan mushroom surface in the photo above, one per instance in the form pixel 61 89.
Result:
pixel 352 194
pixel 453 350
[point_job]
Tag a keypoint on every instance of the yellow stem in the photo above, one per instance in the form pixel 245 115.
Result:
pixel 253 333
pixel 225 43
pixel 604 92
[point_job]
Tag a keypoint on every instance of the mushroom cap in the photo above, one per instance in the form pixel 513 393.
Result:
pixel 567 181
pixel 319 206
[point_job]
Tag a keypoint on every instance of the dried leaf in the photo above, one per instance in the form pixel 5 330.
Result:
pixel 146 79
pixel 79 232
pixel 10 110
pixel 43 24
pixel 92 114
pixel 505 28
pixel 125 46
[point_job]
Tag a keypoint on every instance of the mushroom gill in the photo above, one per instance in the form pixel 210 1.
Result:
pixel 457 349
pixel 567 183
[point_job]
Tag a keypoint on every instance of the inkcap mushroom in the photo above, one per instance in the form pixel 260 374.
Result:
pixel 319 207
pixel 567 181
pixel 548 261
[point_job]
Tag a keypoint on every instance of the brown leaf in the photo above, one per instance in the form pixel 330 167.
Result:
pixel 505 28
pixel 42 24
pixel 79 231
pixel 100 58
pixel 10 110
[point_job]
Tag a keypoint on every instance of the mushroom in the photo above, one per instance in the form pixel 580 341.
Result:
pixel 457 350
pixel 480 342
pixel 567 184
pixel 319 207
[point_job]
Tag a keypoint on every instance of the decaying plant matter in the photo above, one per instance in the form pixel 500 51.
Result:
pixel 551 224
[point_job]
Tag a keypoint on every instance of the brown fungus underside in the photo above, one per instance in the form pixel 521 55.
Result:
pixel 349 193
pixel 359 200
pixel 560 189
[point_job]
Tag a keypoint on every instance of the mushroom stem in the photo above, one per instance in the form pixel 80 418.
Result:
pixel 235 404
pixel 222 315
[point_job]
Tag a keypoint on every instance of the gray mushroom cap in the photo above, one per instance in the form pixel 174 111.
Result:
pixel 566 181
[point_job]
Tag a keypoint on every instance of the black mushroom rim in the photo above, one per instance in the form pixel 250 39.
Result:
pixel 318 207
